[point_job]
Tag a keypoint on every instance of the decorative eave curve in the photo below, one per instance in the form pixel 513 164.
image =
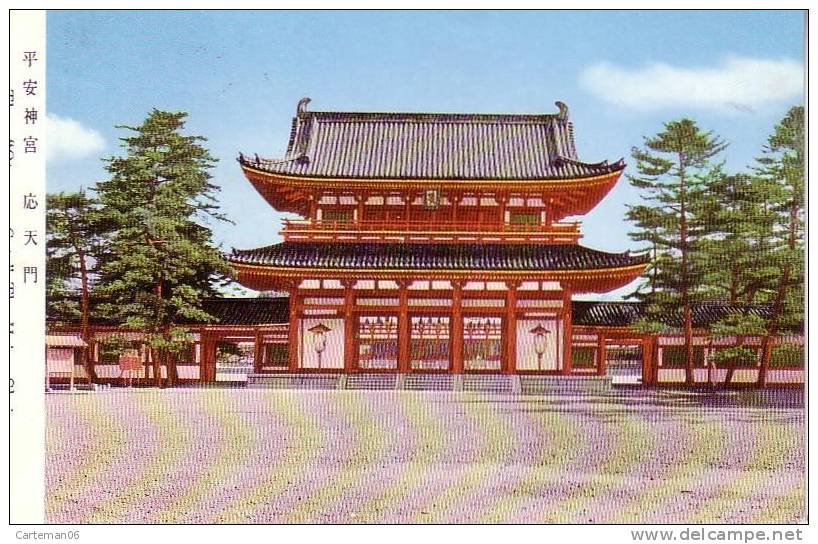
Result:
pixel 265 278
pixel 568 196
pixel 584 269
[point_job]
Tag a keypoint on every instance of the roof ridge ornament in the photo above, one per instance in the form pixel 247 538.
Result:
pixel 563 113
pixel 302 105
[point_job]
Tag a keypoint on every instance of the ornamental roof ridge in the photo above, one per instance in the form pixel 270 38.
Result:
pixel 437 117
pixel 440 146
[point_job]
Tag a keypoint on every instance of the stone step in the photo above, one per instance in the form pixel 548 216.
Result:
pixel 557 385
pixel 372 381
pixel 429 382
pixel 494 383
pixel 293 381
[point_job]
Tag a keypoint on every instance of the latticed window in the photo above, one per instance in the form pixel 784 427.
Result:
pixel 482 343
pixel 430 343
pixel 276 355
pixel 378 342
pixel 524 218
pixel 342 216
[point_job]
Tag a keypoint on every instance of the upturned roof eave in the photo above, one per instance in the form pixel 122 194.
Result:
pixel 284 177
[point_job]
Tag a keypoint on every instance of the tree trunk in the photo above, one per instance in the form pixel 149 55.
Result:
pixel 772 326
pixel 85 327
pixel 169 359
pixel 157 367
pixel 778 304
pixel 688 320
pixel 731 369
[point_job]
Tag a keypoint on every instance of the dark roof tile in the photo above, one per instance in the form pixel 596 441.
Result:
pixel 433 256
pixel 357 145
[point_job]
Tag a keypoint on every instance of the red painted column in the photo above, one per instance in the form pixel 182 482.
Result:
pixel 313 208
pixel 403 326
pixel 407 206
pixel 292 335
pixel 601 353
pixel 510 364
pixel 258 351
pixel 502 200
pixel 649 361
pixel 207 362
pixel 359 200
pixel 567 338
pixel 349 325
pixel 457 326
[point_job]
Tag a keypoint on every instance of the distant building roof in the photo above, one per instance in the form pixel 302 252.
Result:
pixel 362 256
pixel 249 311
pixel 363 145
pixel 275 310
pixel 64 341
pixel 623 314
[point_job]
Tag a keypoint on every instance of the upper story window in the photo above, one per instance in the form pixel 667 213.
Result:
pixel 524 218
pixel 342 216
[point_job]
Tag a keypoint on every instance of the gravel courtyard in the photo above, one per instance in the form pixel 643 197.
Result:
pixel 278 456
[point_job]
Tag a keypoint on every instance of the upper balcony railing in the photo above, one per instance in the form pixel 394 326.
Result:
pixel 424 231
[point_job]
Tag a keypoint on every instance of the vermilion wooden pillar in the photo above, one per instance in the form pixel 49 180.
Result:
pixel 360 199
pixel 207 361
pixel 313 207
pixel 457 326
pixel 407 205
pixel 258 351
pixel 601 354
pixel 567 337
pixel 649 361
pixel 292 336
pixel 510 363
pixel 349 325
pixel 403 326
pixel 502 200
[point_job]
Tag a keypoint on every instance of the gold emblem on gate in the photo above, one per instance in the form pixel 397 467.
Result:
pixel 431 199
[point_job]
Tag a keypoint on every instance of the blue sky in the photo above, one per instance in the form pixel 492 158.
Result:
pixel 239 75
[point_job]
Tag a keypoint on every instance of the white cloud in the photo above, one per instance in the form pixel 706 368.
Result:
pixel 69 139
pixel 737 83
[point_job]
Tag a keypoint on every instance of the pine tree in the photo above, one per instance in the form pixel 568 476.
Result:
pixel 781 167
pixel 667 168
pixel 739 218
pixel 162 261
pixel 74 236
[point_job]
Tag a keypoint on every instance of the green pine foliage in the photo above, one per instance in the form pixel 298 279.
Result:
pixel 160 261
pixel 670 173
pixel 75 237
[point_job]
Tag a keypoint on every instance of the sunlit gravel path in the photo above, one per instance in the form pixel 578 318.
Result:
pixel 278 456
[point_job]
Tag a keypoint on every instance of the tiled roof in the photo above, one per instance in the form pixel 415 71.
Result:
pixel 604 314
pixel 64 341
pixel 623 314
pixel 433 256
pixel 248 311
pixel 272 310
pixel 431 146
